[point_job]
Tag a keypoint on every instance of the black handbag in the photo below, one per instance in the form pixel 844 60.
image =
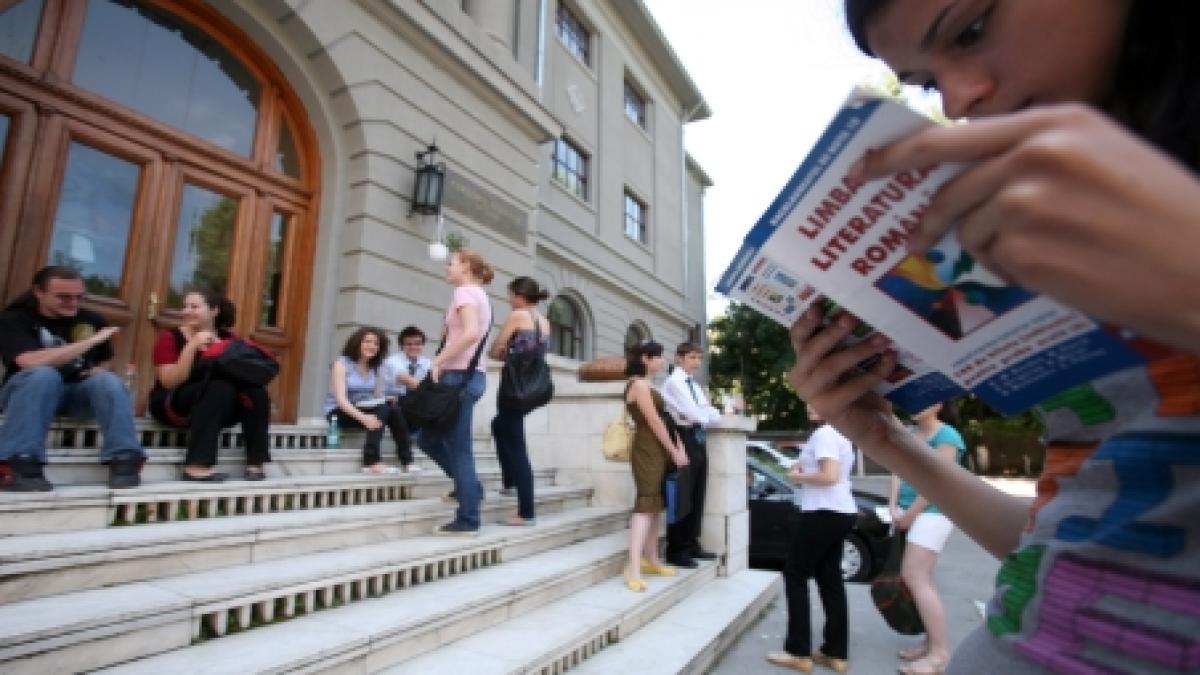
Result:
pixel 434 405
pixel 891 595
pixel 239 360
pixel 525 381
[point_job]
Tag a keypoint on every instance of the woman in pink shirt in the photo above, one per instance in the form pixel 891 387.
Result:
pixel 468 319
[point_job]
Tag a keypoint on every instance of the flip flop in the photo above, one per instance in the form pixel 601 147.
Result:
pixel 926 665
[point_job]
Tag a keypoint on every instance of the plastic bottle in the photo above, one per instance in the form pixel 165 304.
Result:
pixel 131 378
pixel 332 435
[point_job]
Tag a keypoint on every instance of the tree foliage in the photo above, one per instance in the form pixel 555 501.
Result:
pixel 751 353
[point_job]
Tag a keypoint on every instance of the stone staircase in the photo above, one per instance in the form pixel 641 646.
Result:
pixel 323 568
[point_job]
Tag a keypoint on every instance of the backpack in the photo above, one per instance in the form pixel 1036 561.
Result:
pixel 239 360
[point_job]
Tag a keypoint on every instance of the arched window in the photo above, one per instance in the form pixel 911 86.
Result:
pixel 636 334
pixel 170 152
pixel 566 328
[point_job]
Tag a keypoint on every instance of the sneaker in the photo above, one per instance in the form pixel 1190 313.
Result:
pixel 450 497
pixel 124 470
pixel 411 468
pixel 455 530
pixel 25 475
pixel 507 492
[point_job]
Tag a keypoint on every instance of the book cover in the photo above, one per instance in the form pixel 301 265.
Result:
pixel 957 326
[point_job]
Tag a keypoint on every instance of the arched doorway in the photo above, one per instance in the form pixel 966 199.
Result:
pixel 151 145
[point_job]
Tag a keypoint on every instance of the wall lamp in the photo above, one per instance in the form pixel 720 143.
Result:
pixel 427 190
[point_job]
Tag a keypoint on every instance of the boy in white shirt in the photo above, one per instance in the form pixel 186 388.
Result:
pixel 691 411
pixel 404 371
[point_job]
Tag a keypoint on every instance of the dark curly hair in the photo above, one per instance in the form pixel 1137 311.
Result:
pixel 353 348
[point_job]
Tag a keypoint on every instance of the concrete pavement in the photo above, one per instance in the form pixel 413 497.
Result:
pixel 965 576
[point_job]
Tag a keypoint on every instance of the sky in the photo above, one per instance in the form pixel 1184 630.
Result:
pixel 773 73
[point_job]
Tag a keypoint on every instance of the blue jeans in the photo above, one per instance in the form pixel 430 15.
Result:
pixel 33 396
pixel 453 450
pixel 508 428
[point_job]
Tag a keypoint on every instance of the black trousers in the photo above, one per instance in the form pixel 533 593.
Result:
pixel 213 405
pixel 683 537
pixel 393 420
pixel 816 553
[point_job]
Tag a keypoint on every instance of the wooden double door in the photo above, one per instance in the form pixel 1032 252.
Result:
pixel 145 209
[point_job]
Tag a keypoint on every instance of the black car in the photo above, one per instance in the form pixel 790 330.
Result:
pixel 773 515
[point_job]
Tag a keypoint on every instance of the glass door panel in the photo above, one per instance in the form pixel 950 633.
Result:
pixel 154 62
pixel 18 28
pixel 272 289
pixel 94 215
pixel 204 238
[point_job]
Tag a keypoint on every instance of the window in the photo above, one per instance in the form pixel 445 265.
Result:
pixel 574 36
pixel 566 328
pixel 137 55
pixel 635 335
pixel 635 218
pixel 635 106
pixel 570 168
pixel 18 28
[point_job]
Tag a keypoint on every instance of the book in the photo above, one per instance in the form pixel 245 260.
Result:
pixel 956 326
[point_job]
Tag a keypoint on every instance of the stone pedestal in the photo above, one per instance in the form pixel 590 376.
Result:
pixel 726 525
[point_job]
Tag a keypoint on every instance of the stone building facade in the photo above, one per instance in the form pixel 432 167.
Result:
pixel 269 147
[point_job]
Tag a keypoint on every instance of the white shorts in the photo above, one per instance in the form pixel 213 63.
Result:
pixel 930 530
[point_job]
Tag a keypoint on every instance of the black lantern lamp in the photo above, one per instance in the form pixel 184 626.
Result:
pixel 427 189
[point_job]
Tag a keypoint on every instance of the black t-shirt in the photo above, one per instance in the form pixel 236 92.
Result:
pixel 24 330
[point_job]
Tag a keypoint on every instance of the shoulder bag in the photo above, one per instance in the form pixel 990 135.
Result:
pixel 525 381
pixel 891 595
pixel 434 405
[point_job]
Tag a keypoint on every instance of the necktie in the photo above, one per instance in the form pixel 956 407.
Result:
pixel 412 368
pixel 692 390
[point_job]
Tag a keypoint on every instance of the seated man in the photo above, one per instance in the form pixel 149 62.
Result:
pixel 405 371
pixel 56 357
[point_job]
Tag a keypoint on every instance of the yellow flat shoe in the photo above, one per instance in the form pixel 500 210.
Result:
pixel 635 585
pixel 658 570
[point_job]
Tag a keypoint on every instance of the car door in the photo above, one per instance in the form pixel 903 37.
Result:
pixel 772 514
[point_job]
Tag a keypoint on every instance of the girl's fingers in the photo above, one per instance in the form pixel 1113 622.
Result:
pixel 968 143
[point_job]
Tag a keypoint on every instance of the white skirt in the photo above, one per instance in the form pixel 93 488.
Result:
pixel 930 530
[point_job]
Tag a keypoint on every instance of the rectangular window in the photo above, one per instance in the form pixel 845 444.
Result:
pixel 570 168
pixel 635 218
pixel 635 106
pixel 574 36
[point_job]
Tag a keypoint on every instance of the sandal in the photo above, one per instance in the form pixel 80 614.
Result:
pixel 517 521
pixel 913 653
pixel 635 585
pixel 926 665
pixel 659 570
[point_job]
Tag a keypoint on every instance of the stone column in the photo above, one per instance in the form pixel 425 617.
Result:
pixel 725 528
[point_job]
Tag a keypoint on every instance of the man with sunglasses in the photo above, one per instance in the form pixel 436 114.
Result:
pixel 56 358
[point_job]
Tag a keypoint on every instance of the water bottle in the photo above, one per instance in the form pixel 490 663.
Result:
pixel 131 379
pixel 332 436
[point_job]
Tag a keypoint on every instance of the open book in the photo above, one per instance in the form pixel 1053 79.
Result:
pixel 956 326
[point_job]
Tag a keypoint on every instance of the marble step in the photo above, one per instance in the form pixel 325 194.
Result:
pixel 40 565
pixel 78 507
pixel 373 634
pixel 81 466
pixel 689 637
pixel 564 633
pixel 93 628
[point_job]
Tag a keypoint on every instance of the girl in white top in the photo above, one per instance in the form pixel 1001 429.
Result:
pixel 827 513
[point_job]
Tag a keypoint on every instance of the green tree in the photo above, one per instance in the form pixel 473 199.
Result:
pixel 752 352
